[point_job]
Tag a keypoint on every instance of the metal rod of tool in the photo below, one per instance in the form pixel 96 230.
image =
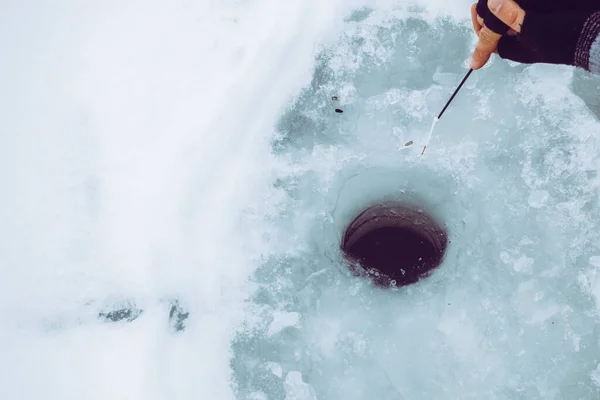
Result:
pixel 435 120
pixel 455 92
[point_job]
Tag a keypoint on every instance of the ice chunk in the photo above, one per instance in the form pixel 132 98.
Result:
pixel 595 375
pixel 258 396
pixel 297 389
pixel 282 320
pixel 538 198
pixel 276 369
pixel 523 264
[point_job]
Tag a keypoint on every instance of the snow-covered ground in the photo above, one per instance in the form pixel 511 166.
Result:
pixel 175 182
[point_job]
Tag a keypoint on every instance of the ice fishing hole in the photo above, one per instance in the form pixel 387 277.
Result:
pixel 393 243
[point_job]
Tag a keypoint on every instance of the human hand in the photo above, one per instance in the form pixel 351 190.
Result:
pixel 498 18
pixel 537 31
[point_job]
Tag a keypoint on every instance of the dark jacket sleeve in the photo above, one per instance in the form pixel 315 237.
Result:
pixel 587 52
pixel 555 32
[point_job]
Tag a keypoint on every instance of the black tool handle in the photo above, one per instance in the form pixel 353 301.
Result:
pixel 455 92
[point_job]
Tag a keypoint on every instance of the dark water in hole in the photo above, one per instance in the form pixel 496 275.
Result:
pixel 400 253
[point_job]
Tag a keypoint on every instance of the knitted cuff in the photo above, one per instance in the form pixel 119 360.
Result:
pixel 587 52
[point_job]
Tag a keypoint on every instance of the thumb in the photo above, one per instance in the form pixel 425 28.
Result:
pixel 508 12
pixel 488 41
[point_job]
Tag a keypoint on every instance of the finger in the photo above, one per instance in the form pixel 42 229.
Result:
pixel 508 12
pixel 475 18
pixel 495 50
pixel 487 44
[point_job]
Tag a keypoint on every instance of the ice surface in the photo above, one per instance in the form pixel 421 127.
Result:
pixel 175 184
